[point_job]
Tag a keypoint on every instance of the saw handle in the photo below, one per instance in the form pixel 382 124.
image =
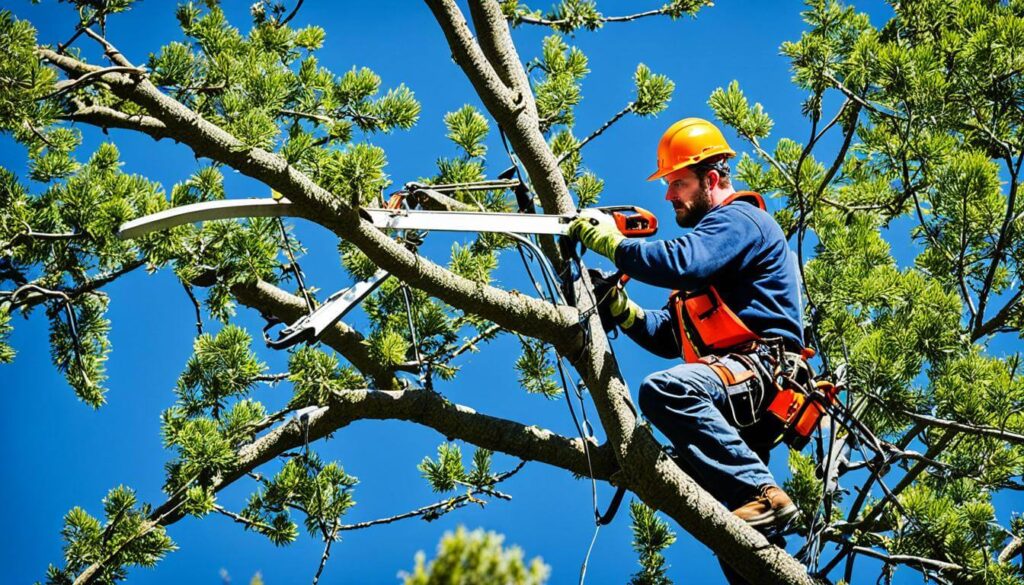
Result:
pixel 632 221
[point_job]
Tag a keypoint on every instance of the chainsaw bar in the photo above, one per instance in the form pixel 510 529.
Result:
pixel 468 221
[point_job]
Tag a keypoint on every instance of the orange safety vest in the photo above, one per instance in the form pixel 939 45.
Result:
pixel 707 327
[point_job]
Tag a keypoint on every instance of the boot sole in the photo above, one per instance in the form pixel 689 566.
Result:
pixel 781 517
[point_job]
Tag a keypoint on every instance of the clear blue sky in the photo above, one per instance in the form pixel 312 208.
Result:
pixel 62 453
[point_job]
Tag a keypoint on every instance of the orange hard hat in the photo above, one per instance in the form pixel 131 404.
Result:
pixel 688 142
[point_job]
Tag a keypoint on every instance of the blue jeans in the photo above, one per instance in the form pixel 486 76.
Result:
pixel 688 404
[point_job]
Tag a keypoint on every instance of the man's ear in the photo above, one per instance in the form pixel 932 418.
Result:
pixel 713 178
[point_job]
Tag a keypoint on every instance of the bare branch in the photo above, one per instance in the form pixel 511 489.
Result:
pixel 604 19
pixel 996 322
pixel 970 429
pixel 33 295
pixel 908 560
pixel 443 506
pixel 599 131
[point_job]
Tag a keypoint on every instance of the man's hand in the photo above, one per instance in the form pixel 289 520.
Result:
pixel 597 231
pixel 613 304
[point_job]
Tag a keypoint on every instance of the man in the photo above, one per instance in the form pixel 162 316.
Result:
pixel 736 256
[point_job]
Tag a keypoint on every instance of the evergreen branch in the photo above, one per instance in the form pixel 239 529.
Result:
pixel 876 510
pixel 1005 235
pixel 496 44
pixel 92 572
pixel 444 505
pixel 517 117
pixel 307 115
pixel 429 409
pixel 30 235
pixel 247 522
pixel 327 541
pixel 995 323
pixel 91 77
pixel 908 560
pixel 862 101
pixel 979 430
pixel 30 294
pixel 286 20
pixel 469 55
pixel 554 23
pixel 109 50
pixel 195 304
pixel 579 146
pixel 467 346
pixel 104 117
pixel 272 378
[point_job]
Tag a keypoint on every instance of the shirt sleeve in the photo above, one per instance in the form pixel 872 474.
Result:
pixel 726 236
pixel 654 333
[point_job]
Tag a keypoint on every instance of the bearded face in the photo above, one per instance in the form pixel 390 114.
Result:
pixel 691 204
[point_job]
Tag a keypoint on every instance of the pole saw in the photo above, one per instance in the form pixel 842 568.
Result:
pixel 633 222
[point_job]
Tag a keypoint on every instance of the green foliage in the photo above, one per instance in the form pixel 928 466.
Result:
pixel 127 538
pixel 322 492
pixel 469 263
pixel 6 351
pixel 476 558
pixel 79 345
pixel 222 366
pixel 535 369
pixel 468 129
pixel 651 535
pixel 447 472
pixel 390 341
pixel 316 375
pixel 804 487
pixel 26 81
pixel 950 523
pixel 653 91
pixel 732 108
pixel 558 90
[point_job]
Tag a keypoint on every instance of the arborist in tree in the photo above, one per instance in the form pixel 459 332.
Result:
pixel 735 317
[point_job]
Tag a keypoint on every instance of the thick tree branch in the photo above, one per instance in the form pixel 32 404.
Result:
pixel 494 36
pixel 468 54
pixel 1012 549
pixel 429 409
pixel 519 124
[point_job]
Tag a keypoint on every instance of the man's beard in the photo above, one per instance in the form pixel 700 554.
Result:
pixel 688 217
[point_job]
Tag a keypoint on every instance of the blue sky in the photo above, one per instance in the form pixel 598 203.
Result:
pixel 65 454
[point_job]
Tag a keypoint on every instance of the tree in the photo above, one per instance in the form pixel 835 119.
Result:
pixel 477 557
pixel 927 108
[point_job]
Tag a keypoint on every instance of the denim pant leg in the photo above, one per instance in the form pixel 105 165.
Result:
pixel 686 403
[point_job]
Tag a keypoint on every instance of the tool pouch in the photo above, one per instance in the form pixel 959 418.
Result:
pixel 798 405
pixel 744 386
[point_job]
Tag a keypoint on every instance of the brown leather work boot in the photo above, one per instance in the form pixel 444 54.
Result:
pixel 771 508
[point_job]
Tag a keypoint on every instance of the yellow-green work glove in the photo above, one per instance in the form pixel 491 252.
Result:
pixel 625 312
pixel 597 231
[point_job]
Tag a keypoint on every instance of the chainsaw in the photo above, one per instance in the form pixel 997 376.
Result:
pixel 633 222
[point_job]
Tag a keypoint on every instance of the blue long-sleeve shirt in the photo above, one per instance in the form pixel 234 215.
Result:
pixel 741 251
